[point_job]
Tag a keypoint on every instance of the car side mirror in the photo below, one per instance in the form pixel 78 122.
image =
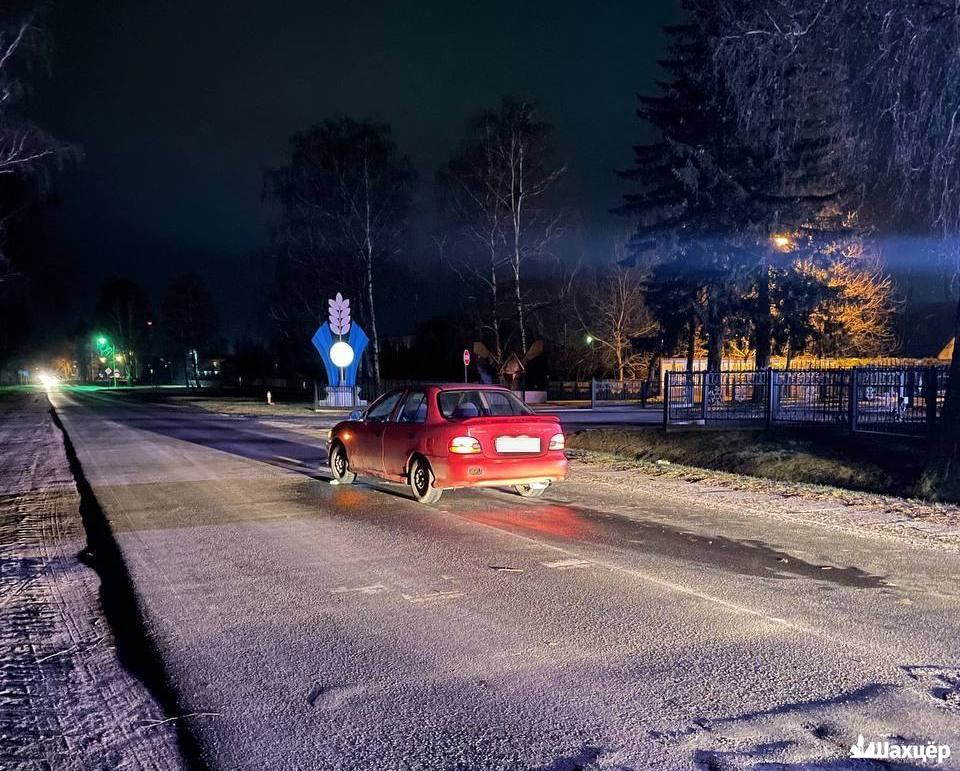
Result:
pixel 356 415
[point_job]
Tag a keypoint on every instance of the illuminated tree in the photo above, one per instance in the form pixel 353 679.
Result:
pixel 614 316
pixel 888 76
pixel 855 317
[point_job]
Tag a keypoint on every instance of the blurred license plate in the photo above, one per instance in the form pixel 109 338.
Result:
pixel 518 444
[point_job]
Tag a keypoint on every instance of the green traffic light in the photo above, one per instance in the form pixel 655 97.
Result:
pixel 101 340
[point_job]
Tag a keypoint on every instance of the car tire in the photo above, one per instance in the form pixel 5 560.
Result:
pixel 527 491
pixel 340 465
pixel 421 482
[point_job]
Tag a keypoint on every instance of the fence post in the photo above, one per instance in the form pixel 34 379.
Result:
pixel 316 396
pixel 770 396
pixel 853 410
pixel 593 392
pixel 703 396
pixel 666 401
pixel 930 398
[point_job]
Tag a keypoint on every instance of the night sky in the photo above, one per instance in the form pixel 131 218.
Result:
pixel 180 106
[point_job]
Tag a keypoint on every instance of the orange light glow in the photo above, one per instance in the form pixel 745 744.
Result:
pixel 782 241
pixel 552 519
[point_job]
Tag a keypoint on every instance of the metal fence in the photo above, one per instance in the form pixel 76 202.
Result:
pixel 600 392
pixel 903 401
pixel 569 390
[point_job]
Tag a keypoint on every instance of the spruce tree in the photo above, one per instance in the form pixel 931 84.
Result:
pixel 707 203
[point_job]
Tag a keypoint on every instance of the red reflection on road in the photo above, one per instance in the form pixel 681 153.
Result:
pixel 551 519
pixel 350 498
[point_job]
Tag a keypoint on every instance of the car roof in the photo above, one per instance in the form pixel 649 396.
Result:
pixel 467 386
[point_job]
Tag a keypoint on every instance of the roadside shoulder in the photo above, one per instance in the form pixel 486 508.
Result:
pixel 76 705
pixel 920 523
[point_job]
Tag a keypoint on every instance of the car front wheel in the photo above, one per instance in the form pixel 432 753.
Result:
pixel 421 482
pixel 340 465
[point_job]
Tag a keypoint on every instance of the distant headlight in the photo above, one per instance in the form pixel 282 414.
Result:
pixel 47 381
pixel 464 445
pixel 556 442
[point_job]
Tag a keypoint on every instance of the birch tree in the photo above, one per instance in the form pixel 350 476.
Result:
pixel 472 185
pixel 520 152
pixel 343 201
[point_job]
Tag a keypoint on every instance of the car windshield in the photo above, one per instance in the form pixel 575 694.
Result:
pixel 480 403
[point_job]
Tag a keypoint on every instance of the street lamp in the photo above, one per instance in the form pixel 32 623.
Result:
pixel 589 339
pixel 106 349
pixel 782 241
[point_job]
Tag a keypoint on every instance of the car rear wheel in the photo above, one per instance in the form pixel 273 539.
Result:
pixel 530 491
pixel 421 482
pixel 340 465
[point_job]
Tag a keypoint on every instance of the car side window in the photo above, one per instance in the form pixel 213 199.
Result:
pixel 380 411
pixel 414 409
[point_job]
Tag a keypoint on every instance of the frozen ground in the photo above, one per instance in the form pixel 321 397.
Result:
pixel 626 621
pixel 66 702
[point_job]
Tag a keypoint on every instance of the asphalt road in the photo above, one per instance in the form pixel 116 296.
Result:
pixel 306 625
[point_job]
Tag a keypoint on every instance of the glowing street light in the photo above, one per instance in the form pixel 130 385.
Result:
pixel 782 241
pixel 589 339
pixel 106 349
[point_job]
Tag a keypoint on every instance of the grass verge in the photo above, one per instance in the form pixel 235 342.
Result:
pixel 887 466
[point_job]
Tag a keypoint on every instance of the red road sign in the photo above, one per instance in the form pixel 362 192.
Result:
pixel 466 358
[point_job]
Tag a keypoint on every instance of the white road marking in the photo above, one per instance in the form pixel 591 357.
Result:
pixel 371 589
pixel 567 564
pixel 432 597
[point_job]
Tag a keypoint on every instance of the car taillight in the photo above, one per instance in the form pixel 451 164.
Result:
pixel 464 445
pixel 556 442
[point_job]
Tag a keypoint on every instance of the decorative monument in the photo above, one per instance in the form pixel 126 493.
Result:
pixel 341 344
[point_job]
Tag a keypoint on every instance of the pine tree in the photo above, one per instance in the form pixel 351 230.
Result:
pixel 693 184
pixel 707 203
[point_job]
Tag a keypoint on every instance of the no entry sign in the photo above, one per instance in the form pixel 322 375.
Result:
pixel 466 358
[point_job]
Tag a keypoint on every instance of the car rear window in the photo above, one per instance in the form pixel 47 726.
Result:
pixel 477 403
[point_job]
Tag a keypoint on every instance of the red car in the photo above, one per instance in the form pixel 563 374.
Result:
pixel 435 437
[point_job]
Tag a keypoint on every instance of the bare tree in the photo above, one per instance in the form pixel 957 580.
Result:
pixel 615 314
pixel 24 146
pixel 472 185
pixel 344 198
pixel 190 319
pixel 519 151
